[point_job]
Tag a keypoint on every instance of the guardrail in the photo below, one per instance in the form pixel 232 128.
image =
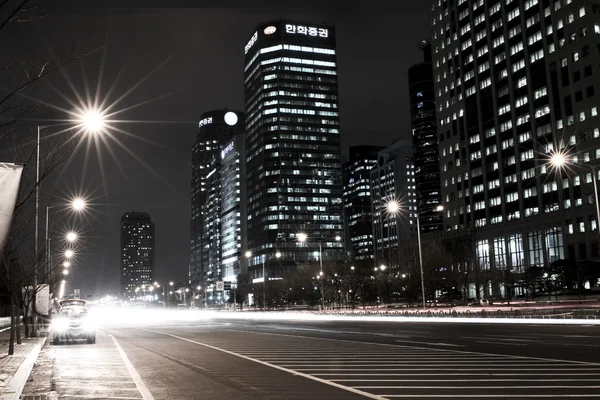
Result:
pixel 534 313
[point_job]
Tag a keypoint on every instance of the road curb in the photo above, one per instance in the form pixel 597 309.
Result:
pixel 15 386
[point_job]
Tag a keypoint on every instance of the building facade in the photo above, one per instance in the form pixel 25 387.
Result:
pixel 137 253
pixel 425 142
pixel 234 217
pixel 358 213
pixel 294 173
pixel 393 182
pixel 216 128
pixel 514 85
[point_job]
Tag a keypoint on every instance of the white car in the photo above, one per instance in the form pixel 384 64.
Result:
pixel 73 322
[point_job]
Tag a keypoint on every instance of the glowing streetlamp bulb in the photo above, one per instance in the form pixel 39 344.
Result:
pixel 171 283
pixel 439 208
pixel 65 272
pixel 382 267
pixel 199 287
pixel 302 237
pixel 338 238
pixel 93 121
pixel 71 237
pixel 69 253
pixel 78 204
pixel 248 254
pixel 66 264
pixel 278 255
pixel 558 160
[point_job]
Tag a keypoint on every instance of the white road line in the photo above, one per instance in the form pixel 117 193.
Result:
pixel 465 380
pixel 576 371
pixel 481 387
pixel 314 378
pixel 423 348
pixel 500 343
pixel 95 396
pixel 493 396
pixel 473 364
pixel 146 395
pixel 459 374
pixel 430 343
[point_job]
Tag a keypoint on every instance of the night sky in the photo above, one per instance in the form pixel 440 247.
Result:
pixel 174 64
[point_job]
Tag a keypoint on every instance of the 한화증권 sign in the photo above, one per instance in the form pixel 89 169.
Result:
pixel 251 42
pixel 205 121
pixel 307 30
pixel 226 150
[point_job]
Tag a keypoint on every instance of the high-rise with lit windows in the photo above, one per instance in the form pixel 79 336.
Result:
pixel 137 253
pixel 294 174
pixel 358 214
pixel 393 181
pixel 216 129
pixel 425 144
pixel 515 82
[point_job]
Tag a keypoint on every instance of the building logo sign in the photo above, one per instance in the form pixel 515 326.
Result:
pixel 226 150
pixel 269 30
pixel 251 42
pixel 205 121
pixel 306 30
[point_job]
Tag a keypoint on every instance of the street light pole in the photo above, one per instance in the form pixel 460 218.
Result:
pixel 264 285
pixel 421 261
pixel 34 327
pixel 322 277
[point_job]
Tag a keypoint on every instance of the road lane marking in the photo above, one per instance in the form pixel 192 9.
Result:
pixel 481 387
pixel 501 343
pixel 292 372
pixel 465 380
pixel 431 343
pixel 494 396
pixel 573 362
pixel 146 395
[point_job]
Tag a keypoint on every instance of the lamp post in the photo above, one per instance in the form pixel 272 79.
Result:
pixel 393 207
pixel 303 238
pixel 248 254
pixel 77 204
pixel 91 121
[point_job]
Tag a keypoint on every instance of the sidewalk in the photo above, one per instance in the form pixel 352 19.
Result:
pixel 15 369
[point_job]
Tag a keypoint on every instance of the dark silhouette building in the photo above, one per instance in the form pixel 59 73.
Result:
pixel 137 252
pixel 358 215
pixel 425 142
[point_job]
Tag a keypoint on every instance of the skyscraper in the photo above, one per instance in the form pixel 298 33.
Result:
pixel 293 146
pixel 393 181
pixel 137 252
pixel 234 218
pixel 216 128
pixel 425 144
pixel 358 213
pixel 514 84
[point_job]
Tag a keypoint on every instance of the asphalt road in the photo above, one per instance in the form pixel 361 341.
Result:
pixel 253 359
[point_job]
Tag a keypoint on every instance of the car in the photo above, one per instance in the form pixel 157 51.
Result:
pixel 73 322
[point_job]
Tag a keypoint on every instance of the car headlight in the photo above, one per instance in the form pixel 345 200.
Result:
pixel 60 325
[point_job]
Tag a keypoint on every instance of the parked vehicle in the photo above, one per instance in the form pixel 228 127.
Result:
pixel 73 322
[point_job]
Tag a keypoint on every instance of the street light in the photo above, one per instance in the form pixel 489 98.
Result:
pixel 393 208
pixel 303 238
pixel 69 253
pixel 66 264
pixel 438 208
pixel 91 121
pixel 248 254
pixel 71 237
